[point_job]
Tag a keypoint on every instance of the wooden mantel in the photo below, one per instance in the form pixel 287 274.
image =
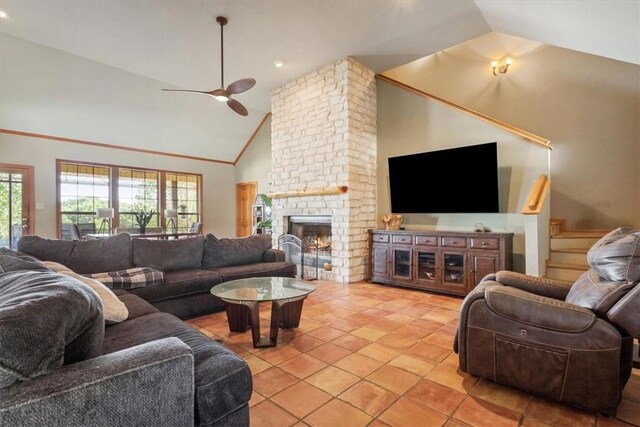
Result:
pixel 324 191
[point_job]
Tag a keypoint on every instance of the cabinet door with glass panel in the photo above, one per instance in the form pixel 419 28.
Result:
pixel 453 271
pixel 402 263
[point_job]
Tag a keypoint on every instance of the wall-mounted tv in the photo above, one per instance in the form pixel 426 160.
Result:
pixel 455 180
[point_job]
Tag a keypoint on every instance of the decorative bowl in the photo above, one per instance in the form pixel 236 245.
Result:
pixel 429 274
pixel 454 276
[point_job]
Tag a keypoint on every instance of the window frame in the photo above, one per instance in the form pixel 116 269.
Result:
pixel 114 193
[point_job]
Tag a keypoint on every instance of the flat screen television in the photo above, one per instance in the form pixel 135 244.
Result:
pixel 455 180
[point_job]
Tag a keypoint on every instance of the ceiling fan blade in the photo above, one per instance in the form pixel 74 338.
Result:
pixel 240 86
pixel 237 107
pixel 184 90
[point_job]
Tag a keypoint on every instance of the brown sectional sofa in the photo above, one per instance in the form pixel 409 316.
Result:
pixel 191 266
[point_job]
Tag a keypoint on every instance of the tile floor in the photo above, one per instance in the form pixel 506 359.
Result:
pixel 374 355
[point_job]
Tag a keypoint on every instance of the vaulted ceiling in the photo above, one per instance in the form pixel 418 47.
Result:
pixel 177 43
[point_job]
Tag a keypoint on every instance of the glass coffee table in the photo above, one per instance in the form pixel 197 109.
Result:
pixel 242 298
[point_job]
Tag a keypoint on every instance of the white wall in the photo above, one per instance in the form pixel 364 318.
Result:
pixel 408 124
pixel 255 163
pixel 46 91
pixel 217 180
pixel 588 106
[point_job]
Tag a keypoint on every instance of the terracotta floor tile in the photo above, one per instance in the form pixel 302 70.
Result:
pixel 629 411
pixel 398 303
pixel 400 318
pixel 452 359
pixel 556 413
pixel 378 352
pixel 337 413
pixel 276 355
pixel 507 397
pixel 415 311
pixel 440 339
pixel 427 325
pixel 326 333
pixel 385 324
pixel 302 365
pixel 452 422
pixel 480 413
pixel 267 414
pixel 301 399
pixel 329 353
pixel 377 423
pixel 412 331
pixel 412 364
pixel 608 422
pixel 430 351
pixel 273 380
pixel 407 413
pixel 255 399
pixel 308 325
pixel 325 318
pixel 532 422
pixel 256 364
pixel 369 333
pixel 436 396
pixel 451 376
pixel 393 379
pixel 632 389
pixel 369 397
pixel 332 380
pixel 358 365
pixel 304 343
pixel 441 316
pixel 399 342
pixel 347 325
pixel 351 342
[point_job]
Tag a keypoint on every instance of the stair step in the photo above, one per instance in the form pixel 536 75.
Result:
pixel 581 233
pixel 568 266
pixel 569 256
pixel 557 243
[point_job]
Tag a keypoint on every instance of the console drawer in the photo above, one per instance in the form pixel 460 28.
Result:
pixel 484 243
pixel 454 242
pixel 381 238
pixel 427 240
pixel 401 238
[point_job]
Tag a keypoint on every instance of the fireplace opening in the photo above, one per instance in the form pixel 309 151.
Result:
pixel 314 234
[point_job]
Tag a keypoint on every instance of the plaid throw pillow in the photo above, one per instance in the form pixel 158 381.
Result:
pixel 130 278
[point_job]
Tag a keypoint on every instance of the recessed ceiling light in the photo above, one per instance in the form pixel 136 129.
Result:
pixel 3 14
pixel 279 63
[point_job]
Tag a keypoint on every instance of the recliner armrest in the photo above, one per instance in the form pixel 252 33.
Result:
pixel 536 310
pixel 537 285
pixel 149 384
pixel 626 312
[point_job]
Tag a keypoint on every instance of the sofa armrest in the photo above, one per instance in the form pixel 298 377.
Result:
pixel 539 311
pixel 536 285
pixel 273 255
pixel 625 312
pixel 149 384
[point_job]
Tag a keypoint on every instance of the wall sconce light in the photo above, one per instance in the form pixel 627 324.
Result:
pixel 502 69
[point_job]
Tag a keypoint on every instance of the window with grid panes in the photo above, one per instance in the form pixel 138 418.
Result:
pixel 83 189
pixel 137 191
pixel 183 195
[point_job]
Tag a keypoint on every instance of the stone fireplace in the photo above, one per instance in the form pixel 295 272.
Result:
pixel 323 137
pixel 314 231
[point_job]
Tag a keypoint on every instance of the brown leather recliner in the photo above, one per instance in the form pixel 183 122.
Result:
pixel 572 343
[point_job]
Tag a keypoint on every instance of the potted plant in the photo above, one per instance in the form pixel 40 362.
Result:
pixel 143 218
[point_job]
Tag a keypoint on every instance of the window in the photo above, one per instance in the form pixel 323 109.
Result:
pixel 182 194
pixel 85 187
pixel 137 191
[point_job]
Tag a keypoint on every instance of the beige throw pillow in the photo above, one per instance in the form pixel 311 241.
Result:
pixel 114 310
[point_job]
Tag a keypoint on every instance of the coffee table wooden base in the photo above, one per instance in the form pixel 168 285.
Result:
pixel 284 313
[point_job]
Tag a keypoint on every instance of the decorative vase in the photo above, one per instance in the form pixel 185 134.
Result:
pixel 143 229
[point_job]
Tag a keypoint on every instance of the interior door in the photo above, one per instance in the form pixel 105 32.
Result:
pixel 245 195
pixel 16 203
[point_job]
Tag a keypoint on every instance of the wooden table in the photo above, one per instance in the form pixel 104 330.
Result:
pixel 150 235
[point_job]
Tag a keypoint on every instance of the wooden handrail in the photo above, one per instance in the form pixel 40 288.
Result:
pixel 537 196
pixel 509 128
pixel 325 191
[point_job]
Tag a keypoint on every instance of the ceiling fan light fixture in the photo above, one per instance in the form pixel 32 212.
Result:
pixel 221 98
pixel 3 14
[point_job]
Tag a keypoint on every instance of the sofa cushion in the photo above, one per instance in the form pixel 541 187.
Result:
pixel 180 283
pixel 225 252
pixel 168 255
pixel 82 256
pixel 616 256
pixel 11 260
pixel 136 306
pixel 259 269
pixel 47 320
pixel 130 278
pixel 114 310
pixel 223 381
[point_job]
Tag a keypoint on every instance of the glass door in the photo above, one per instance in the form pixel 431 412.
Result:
pixel 453 271
pixel 427 268
pixel 402 260
pixel 16 203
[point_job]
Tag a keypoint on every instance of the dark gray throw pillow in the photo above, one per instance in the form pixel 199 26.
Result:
pixel 11 260
pixel 225 252
pixel 47 320
pixel 168 255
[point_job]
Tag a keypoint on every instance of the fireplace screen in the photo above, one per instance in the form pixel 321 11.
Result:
pixel 308 244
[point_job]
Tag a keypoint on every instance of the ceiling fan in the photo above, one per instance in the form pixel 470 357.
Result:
pixel 224 94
